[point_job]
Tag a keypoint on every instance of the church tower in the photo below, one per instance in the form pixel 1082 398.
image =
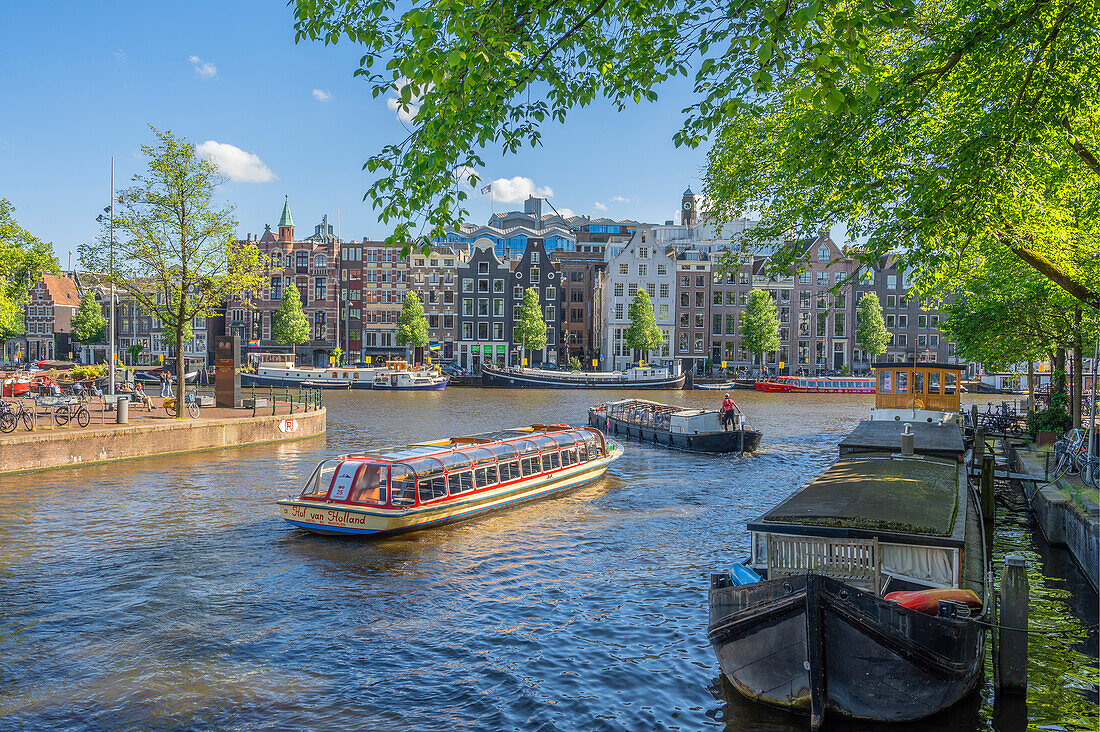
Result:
pixel 688 210
pixel 286 223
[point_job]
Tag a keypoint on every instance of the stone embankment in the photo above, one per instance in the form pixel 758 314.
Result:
pixel 63 447
pixel 1066 519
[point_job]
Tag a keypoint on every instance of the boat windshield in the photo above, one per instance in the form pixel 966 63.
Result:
pixel 318 484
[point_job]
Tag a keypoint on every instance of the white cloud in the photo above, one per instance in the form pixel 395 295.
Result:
pixel 517 189
pixel 322 96
pixel 566 212
pixel 599 206
pixel 120 55
pixel 205 69
pixel 620 199
pixel 462 175
pixel 408 112
pixel 239 166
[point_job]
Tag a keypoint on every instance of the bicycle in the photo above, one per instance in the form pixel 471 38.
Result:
pixel 1067 454
pixel 65 413
pixel 11 416
pixel 188 399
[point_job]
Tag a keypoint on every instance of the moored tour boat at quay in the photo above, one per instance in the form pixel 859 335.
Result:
pixel 403 376
pixel 637 377
pixel 680 428
pixel 867 591
pixel 819 384
pixel 398 489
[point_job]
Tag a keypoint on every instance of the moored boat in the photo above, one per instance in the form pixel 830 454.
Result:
pixel 865 591
pixel 680 428
pixel 818 385
pixel 393 490
pixel 403 376
pixel 279 369
pixel 637 377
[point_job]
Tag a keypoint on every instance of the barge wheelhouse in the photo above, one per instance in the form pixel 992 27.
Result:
pixel 393 490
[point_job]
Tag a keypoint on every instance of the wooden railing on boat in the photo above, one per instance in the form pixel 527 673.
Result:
pixel 853 561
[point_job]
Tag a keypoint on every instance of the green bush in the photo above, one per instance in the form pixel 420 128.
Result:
pixel 1056 418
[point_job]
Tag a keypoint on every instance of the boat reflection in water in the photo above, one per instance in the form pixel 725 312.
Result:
pixel 866 590
pixel 392 490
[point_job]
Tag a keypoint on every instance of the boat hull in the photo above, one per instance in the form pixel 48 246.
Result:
pixel 813 644
pixel 344 520
pixel 516 380
pixel 731 441
pixel 418 387
pixel 315 383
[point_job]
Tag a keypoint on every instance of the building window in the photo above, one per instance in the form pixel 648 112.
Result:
pixel 632 289
pixel 319 289
pixel 320 261
pixel 483 307
pixel 498 308
pixel 823 253
pixel 643 270
pixel 535 275
pixel 651 289
pixel 700 299
pixel 698 320
pixel 891 282
pixel 624 269
pixel 551 293
pixel 716 325
pixel 619 311
pixel 534 257
pixel 483 285
pixel 483 331
pixel 467 331
pixel 662 271
pixel 467 306
pixel 822 279
pixel 467 284
pixel 483 268
pixel 731 324
pixel 664 290
pixel 662 312
pixel 551 313
pixel 498 285
pixel 498 331
pixel 643 253
pixel 618 289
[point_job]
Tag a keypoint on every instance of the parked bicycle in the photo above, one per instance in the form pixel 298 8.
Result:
pixel 11 415
pixel 65 413
pixel 1003 419
pixel 1071 457
pixel 170 405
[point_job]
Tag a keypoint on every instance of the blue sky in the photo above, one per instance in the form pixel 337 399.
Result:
pixel 82 81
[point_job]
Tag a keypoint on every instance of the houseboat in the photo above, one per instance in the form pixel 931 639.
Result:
pixel 403 376
pixel 393 490
pixel 638 377
pixel 865 593
pixel 680 428
pixel 279 369
pixel 818 384
pixel 727 385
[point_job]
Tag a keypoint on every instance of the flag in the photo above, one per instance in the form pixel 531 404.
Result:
pixel 486 189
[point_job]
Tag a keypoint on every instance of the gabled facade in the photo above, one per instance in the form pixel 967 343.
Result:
pixel 434 277
pixel 639 264
pixel 535 269
pixel 482 308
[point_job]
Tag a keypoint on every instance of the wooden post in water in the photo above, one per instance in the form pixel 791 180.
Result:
pixel 1011 661
pixel 987 489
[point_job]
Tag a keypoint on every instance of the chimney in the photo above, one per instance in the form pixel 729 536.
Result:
pixel 533 206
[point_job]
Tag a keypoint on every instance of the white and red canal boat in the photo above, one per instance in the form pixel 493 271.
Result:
pixel 397 489
pixel 818 384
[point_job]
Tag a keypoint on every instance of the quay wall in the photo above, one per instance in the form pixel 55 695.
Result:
pixel 1064 521
pixel 40 451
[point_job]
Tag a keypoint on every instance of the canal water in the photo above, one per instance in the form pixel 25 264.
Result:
pixel 167 593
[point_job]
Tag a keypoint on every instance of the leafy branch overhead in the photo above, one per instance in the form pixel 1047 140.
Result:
pixel 953 130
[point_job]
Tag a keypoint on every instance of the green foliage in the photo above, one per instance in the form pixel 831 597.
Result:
pixel 530 330
pixel 1008 313
pixel 871 333
pixel 958 127
pixel 760 324
pixel 24 258
pixel 82 373
pixel 135 350
pixel 575 363
pixel 338 355
pixel 643 334
pixel 412 326
pixel 88 322
pixel 1055 419
pixel 290 326
pixel 175 252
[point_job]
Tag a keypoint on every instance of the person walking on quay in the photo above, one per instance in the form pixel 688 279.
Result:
pixel 165 383
pixel 728 409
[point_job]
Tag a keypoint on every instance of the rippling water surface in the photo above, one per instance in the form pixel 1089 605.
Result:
pixel 167 593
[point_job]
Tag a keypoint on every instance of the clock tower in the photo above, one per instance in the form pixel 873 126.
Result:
pixel 688 213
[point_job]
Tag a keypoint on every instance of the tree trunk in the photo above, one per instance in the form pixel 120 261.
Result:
pixel 1078 369
pixel 1058 378
pixel 1030 386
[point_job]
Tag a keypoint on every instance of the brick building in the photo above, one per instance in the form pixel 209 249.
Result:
pixel 49 316
pixel 434 277
pixel 693 316
pixel 580 302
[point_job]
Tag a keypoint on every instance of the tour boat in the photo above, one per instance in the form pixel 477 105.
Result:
pixel 819 384
pixel 401 375
pixel 279 369
pixel 681 428
pixel 638 377
pixel 26 383
pixel 865 594
pixel 397 489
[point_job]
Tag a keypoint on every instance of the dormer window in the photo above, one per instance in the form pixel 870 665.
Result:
pixel 534 257
pixel 823 254
pixel 320 261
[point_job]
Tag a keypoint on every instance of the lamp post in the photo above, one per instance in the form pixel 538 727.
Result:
pixel 110 211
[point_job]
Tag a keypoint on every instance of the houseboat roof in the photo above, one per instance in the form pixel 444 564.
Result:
pixel 874 494
pixel 934 365
pixel 659 408
pixel 929 438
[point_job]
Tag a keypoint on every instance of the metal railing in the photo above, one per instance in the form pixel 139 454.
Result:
pixel 308 398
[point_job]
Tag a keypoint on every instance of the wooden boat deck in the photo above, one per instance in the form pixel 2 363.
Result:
pixel 875 494
pixel 928 438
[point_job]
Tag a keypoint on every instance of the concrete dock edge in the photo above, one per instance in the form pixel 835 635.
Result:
pixel 37 451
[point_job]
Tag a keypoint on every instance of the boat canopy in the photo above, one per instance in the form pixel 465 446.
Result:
pixel 417 474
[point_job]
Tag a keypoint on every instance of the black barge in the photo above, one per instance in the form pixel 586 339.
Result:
pixel 680 428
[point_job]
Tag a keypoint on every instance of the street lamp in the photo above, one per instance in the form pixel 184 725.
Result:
pixel 110 211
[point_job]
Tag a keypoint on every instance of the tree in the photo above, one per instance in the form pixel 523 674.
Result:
pixel 958 127
pixel 291 326
pixel 24 258
pixel 871 333
pixel 530 330
pixel 175 253
pixel 135 351
pixel 643 334
pixel 338 356
pixel 88 322
pixel 760 324
pixel 575 364
pixel 412 326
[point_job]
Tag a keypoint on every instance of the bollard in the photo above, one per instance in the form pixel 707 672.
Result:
pixel 1011 661
pixel 987 488
pixel 907 440
pixel 122 411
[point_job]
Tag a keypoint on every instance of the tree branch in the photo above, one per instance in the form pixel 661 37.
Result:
pixel 1082 152
pixel 1055 274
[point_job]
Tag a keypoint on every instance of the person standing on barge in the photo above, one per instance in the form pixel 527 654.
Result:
pixel 728 410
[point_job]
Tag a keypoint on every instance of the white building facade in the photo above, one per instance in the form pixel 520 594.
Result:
pixel 639 264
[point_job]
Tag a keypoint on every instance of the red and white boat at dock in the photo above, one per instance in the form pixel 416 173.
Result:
pixel 818 384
